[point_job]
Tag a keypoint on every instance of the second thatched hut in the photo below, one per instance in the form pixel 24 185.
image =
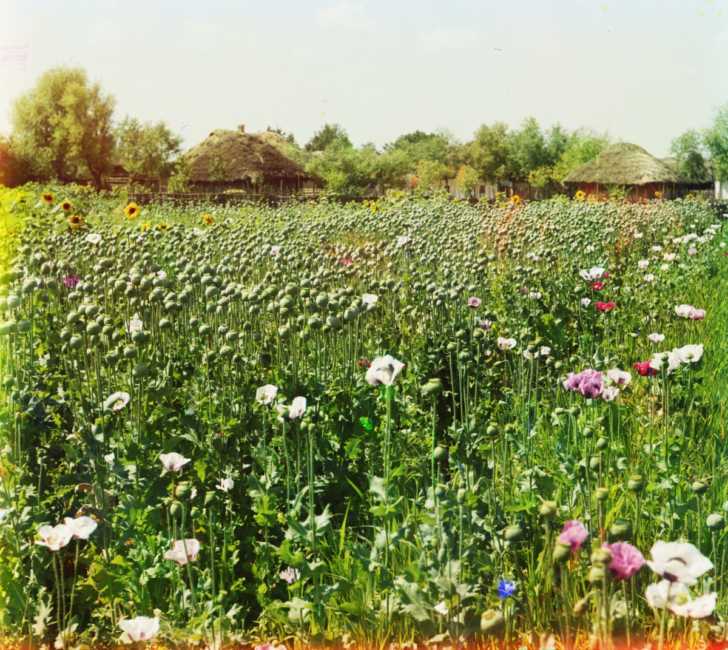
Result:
pixel 627 167
pixel 235 160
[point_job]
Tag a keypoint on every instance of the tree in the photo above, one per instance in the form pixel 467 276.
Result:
pixel 466 180
pixel 327 136
pixel 63 126
pixel 14 169
pixel 345 169
pixel 716 141
pixel 489 152
pixel 432 174
pixel 688 151
pixel 528 149
pixel 582 147
pixel 146 150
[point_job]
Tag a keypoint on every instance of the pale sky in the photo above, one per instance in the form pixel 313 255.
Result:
pixel 642 70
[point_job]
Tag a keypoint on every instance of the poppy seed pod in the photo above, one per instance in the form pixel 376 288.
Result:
pixel 602 443
pixel 548 509
pixel 431 387
pixel 561 552
pixel 635 483
pixel 715 521
pixel 602 493
pixel 601 556
pixel 596 575
pixel 491 620
pixel 581 606
pixel 699 487
pixel 513 533
pixel 620 529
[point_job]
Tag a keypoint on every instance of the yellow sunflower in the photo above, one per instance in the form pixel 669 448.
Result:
pixel 145 226
pixel 207 219
pixel 515 200
pixel 66 205
pixel 580 195
pixel 131 211
pixel 75 222
pixel 658 194
pixel 47 198
pixel 162 226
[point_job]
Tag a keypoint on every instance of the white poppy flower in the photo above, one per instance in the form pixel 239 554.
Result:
pixel 610 393
pixel 643 264
pixel 678 562
pixel 441 608
pixel 275 250
pixel 135 324
pixel 684 311
pixel 93 238
pixel 173 462
pixel 594 273
pixel 225 484
pixel 81 527
pixel 117 401
pixel 619 377
pixel 141 628
pixel 689 353
pixel 369 299
pixel 506 344
pixel 297 408
pixel 289 575
pixel 183 551
pixel 585 302
pixel 266 394
pixel 697 608
pixel 54 538
pixel 384 370
pixel 660 594
pixel 655 337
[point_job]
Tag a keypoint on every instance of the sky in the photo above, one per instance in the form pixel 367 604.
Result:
pixel 642 71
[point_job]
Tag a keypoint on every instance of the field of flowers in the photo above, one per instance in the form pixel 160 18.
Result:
pixel 411 421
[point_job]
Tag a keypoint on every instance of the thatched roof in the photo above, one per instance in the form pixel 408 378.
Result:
pixel 623 164
pixel 235 156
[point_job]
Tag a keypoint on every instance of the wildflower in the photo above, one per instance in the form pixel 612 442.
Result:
pixel 474 302
pixel 580 195
pixel 297 408
pixel 66 205
pixel 585 302
pixel 678 562
pixel 626 560
pixel 135 324
pixel 275 250
pixel 660 358
pixel 675 597
pixel 506 588
pixel 506 344
pixel 592 274
pixel 441 608
pixel 290 575
pixel 369 299
pixel 644 369
pixel 535 295
pixel 697 608
pixel 183 551
pixel 643 264
pixel 117 401
pixel 589 382
pixel 173 462
pixel 207 219
pixel 54 538
pixel 688 311
pixel 573 534
pixel 515 200
pixel 346 261
pixel 225 484
pixel 697 314
pixel 610 393
pixel 141 628
pixel 70 281
pixel 656 337
pixel 689 353
pixel 598 285
pixel 75 222
pixel 485 324
pixel 669 257
pixel 619 377
pixel 604 307
pixel 80 527
pixel 93 238
pixel 47 198
pixel 266 394
pixel 384 370
pixel 131 211
pixel 649 278
pixel 692 251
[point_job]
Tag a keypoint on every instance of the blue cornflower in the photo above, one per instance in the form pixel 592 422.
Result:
pixel 506 588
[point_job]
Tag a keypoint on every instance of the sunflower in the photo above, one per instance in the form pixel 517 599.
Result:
pixel 207 219
pixel 145 226
pixel 162 226
pixel 658 194
pixel 131 211
pixel 66 205
pixel 47 198
pixel 75 222
pixel 580 195
pixel 515 200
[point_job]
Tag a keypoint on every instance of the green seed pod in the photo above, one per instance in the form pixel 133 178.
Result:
pixel 561 552
pixel 165 324
pixel 431 387
pixel 175 509
pixel 75 343
pixel 601 493
pixel 602 443
pixel 490 621
pixel 440 453
pixel 635 483
pixel 594 462
pixel 141 370
pixel 452 346
pixel 548 509
pixel 715 521
pixel 596 575
pixel 513 533
pixel 601 556
pixel 182 490
pixel 140 338
pixel 699 487
pixel 620 529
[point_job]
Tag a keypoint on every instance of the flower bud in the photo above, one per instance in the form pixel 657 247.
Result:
pixel 699 487
pixel 561 552
pixel 635 483
pixel 596 575
pixel 548 509
pixel 602 493
pixel 715 521
pixel 601 556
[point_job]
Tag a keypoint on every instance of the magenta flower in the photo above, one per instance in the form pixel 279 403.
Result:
pixel 572 381
pixel 573 534
pixel 589 382
pixel 70 281
pixel 626 560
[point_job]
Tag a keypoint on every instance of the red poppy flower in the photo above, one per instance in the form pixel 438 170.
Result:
pixel 597 286
pixel 605 306
pixel 644 369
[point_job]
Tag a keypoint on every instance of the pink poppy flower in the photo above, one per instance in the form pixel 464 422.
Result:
pixel 473 302
pixel 573 534
pixel 626 560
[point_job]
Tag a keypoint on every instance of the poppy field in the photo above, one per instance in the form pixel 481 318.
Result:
pixel 410 421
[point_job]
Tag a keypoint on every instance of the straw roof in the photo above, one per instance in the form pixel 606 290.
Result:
pixel 623 164
pixel 235 156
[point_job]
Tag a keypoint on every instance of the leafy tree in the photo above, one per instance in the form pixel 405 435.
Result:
pixel 489 152
pixel 286 135
pixel 716 141
pixel 179 181
pixel 688 151
pixel 328 135
pixel 466 180
pixel 14 169
pixel 431 174
pixel 345 169
pixel 557 141
pixel 582 147
pixel 528 149
pixel 146 150
pixel 64 126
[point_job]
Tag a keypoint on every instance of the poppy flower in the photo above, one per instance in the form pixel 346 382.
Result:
pixel 644 369
pixel 183 551
pixel 384 370
pixel 604 307
pixel 141 628
pixel 598 285
pixel 573 534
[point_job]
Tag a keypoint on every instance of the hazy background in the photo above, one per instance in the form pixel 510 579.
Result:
pixel 642 70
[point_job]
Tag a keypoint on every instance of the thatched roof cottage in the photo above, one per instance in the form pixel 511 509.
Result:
pixel 236 160
pixel 628 166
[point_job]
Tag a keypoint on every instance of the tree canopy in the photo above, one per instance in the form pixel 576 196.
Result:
pixel 146 150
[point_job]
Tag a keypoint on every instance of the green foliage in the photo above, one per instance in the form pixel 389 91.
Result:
pixel 14 168
pixel 582 146
pixel 489 153
pixel 716 142
pixel 329 135
pixel 63 125
pixel 146 150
